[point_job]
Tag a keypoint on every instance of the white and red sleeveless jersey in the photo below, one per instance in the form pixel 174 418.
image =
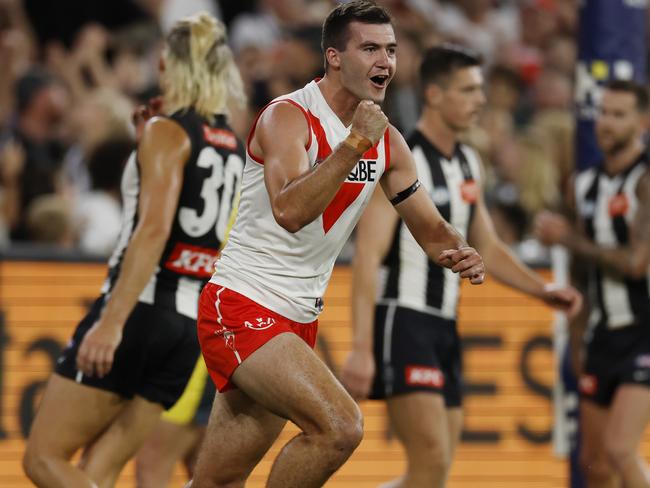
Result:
pixel 288 273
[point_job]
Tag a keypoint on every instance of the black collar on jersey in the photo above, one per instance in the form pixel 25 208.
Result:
pixel 219 118
pixel 434 151
pixel 426 142
pixel 642 158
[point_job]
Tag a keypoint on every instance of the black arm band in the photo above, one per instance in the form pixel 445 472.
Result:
pixel 404 194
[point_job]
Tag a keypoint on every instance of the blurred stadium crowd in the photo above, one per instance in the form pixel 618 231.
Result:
pixel 73 71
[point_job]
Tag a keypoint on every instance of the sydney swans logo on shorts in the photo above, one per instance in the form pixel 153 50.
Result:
pixel 260 323
pixel 229 339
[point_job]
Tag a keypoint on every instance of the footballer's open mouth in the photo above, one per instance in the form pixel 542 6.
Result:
pixel 379 81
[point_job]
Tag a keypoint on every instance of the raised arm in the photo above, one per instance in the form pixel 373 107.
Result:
pixel 299 193
pixel 162 154
pixel 374 232
pixel 439 240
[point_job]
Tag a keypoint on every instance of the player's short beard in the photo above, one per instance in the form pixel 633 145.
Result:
pixel 620 145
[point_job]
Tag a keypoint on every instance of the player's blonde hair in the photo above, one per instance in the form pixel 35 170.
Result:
pixel 200 71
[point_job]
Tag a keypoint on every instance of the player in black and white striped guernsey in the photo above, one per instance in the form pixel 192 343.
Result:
pixel 453 181
pixel 408 344
pixel 134 352
pixel 611 248
pixel 211 180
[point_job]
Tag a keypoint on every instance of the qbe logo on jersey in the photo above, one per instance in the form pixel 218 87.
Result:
pixel 364 172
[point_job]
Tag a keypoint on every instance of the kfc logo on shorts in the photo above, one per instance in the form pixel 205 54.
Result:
pixel 588 384
pixel 424 376
pixel 192 260
pixel 229 338
pixel 260 323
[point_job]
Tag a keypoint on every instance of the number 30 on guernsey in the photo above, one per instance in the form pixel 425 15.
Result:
pixel 216 211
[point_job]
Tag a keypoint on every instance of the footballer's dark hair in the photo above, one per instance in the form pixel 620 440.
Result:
pixel 630 86
pixel 440 62
pixel 335 28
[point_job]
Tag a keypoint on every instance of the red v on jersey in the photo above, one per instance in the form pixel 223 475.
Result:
pixel 348 192
pixel 346 195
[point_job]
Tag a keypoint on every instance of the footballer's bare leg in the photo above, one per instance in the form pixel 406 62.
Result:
pixel 157 457
pixel 104 459
pixel 455 426
pixel 239 433
pixel 421 424
pixel 628 417
pixel 70 416
pixel 598 471
pixel 284 379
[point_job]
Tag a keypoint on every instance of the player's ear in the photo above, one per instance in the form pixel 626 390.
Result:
pixel 333 58
pixel 433 94
pixel 645 120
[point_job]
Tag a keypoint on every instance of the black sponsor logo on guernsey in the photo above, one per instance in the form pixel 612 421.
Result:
pixel 365 171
